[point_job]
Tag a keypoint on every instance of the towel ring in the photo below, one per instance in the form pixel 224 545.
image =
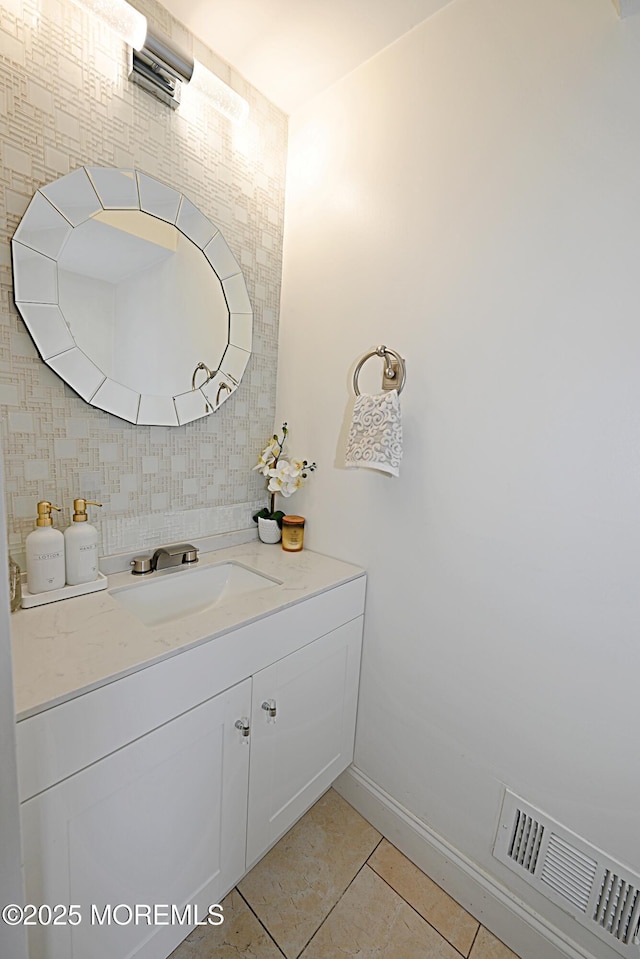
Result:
pixel 209 375
pixel 389 371
pixel 223 386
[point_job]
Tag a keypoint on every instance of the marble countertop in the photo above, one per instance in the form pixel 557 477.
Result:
pixel 64 649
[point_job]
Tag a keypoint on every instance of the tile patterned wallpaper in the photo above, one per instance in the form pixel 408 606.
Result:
pixel 65 102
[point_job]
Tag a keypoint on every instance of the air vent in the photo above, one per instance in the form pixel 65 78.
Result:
pixel 526 840
pixel 617 908
pixel 598 892
pixel 568 872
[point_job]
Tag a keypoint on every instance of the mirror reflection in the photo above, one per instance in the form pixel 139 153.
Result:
pixel 156 304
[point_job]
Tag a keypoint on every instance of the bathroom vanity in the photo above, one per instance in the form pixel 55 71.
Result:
pixel 157 764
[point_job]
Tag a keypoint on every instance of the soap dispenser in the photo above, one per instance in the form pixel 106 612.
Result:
pixel 45 553
pixel 81 546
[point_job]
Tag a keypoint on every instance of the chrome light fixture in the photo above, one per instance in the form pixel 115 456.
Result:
pixel 160 67
pixel 158 64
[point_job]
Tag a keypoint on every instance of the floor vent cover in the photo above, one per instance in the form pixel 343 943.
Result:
pixel 598 892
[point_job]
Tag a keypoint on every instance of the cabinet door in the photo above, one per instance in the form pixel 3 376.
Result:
pixel 160 821
pixel 295 758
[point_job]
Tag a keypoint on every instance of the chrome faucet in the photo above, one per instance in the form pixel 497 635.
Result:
pixel 177 555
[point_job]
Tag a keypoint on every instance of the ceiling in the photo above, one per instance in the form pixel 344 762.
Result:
pixel 292 49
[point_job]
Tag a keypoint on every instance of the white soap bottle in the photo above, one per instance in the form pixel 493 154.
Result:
pixel 81 546
pixel 45 553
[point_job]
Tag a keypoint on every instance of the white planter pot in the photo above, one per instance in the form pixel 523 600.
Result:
pixel 268 530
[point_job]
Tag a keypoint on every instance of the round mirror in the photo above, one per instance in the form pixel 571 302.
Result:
pixel 132 296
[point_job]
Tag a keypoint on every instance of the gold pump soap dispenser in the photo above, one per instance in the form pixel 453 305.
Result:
pixel 81 545
pixel 45 553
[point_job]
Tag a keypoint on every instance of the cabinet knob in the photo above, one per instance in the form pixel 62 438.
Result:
pixel 244 727
pixel 269 706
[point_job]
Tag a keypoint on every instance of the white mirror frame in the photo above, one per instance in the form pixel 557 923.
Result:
pixel 50 219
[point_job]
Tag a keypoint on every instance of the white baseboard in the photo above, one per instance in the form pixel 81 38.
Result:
pixel 507 917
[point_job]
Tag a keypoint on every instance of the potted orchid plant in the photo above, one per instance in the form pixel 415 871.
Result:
pixel 284 476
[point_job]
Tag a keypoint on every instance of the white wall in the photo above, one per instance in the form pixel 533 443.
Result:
pixel 12 938
pixel 471 198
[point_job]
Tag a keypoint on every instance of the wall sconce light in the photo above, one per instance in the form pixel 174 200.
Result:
pixel 159 65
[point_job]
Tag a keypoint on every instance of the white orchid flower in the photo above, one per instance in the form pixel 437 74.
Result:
pixel 286 477
pixel 278 480
pixel 268 457
pixel 283 476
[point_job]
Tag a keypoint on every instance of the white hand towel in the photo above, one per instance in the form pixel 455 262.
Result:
pixel 375 435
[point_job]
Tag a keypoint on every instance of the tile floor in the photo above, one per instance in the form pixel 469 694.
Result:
pixel 333 888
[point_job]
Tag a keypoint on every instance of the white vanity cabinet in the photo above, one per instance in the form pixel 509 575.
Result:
pixel 147 791
pixel 297 753
pixel 160 821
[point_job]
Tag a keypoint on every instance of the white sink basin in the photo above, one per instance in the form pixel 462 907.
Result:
pixel 173 594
